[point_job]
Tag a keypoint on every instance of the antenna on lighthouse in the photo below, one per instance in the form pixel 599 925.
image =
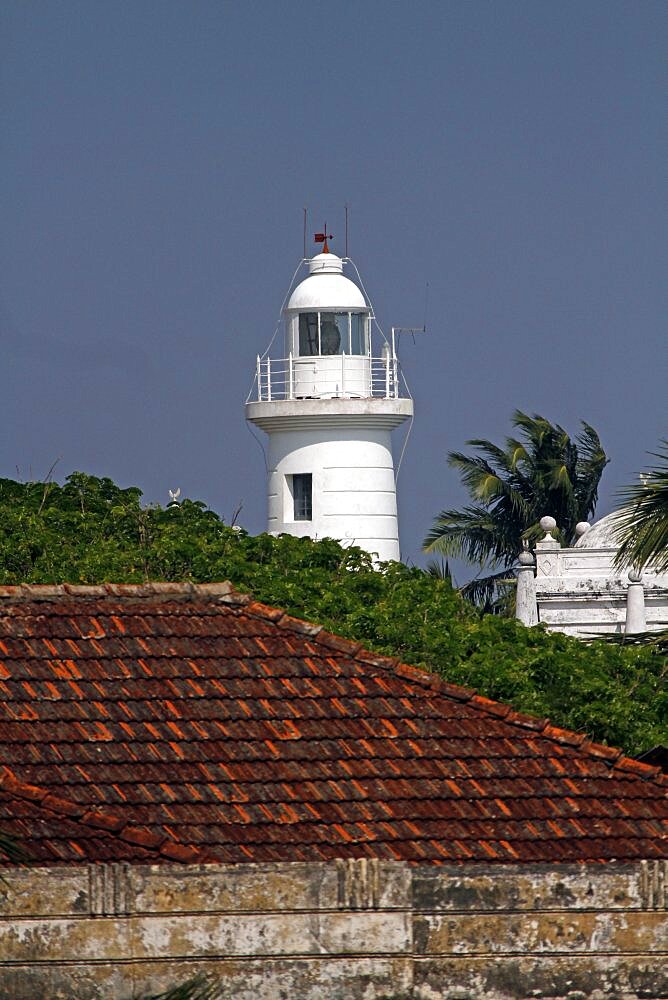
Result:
pixel 398 330
pixel 346 229
pixel 305 211
pixel 412 330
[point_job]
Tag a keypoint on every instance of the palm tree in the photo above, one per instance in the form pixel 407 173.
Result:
pixel 540 471
pixel 643 519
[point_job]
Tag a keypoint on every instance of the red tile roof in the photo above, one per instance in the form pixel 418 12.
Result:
pixel 211 721
pixel 51 829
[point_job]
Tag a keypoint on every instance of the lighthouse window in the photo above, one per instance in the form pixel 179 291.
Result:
pixel 329 333
pixel 308 334
pixel 358 334
pixel 334 333
pixel 302 492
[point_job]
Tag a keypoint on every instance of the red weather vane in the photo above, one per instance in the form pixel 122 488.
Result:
pixel 322 238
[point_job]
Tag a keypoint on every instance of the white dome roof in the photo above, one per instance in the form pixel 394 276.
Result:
pixel 601 534
pixel 326 288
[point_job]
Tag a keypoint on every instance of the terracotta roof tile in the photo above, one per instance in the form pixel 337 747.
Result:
pixel 637 767
pixel 172 722
pixel 54 830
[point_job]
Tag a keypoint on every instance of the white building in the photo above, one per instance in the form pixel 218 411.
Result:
pixel 578 590
pixel 328 406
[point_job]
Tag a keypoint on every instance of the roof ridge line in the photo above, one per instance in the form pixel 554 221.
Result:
pixel 150 588
pixel 102 819
pixel 616 757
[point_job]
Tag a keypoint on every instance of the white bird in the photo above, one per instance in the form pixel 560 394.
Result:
pixel 174 495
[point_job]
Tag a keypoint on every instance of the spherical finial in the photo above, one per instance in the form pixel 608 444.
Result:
pixel 635 576
pixel 548 523
pixel 525 558
pixel 581 528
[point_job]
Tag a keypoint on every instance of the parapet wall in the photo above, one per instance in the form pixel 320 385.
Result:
pixel 579 591
pixel 345 930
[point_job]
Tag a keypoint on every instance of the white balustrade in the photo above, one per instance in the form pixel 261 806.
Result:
pixel 327 377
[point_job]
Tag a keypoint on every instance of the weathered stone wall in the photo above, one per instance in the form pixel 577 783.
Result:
pixel 348 930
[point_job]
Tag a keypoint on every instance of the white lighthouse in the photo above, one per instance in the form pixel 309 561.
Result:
pixel 328 406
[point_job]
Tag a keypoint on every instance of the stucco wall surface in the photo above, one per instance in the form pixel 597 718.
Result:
pixel 347 930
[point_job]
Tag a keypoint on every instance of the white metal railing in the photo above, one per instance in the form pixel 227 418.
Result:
pixel 327 377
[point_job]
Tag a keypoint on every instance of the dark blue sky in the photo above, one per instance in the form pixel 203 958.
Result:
pixel 156 158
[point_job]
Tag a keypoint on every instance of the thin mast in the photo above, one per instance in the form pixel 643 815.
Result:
pixel 346 229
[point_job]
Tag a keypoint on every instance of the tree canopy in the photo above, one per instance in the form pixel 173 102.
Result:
pixel 90 530
pixel 540 471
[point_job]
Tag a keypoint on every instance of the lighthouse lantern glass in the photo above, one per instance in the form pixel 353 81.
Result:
pixel 309 337
pixel 358 334
pixel 327 333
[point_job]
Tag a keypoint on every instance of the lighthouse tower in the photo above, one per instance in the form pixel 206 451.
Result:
pixel 328 406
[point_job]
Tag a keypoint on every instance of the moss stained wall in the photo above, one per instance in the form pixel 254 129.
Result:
pixel 346 930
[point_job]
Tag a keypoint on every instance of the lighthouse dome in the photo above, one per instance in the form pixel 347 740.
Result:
pixel 326 288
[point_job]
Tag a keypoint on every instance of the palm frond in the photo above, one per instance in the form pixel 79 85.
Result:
pixel 439 569
pixel 556 475
pixel 658 639
pixel 516 453
pixel 591 462
pixel 643 519
pixel 200 987
pixel 490 593
pixel 493 453
pixel 482 481
pixel 12 851
pixel 537 429
pixel 474 472
pixel 471 533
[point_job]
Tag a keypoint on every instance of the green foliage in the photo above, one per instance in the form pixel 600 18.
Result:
pixel 200 987
pixel 11 851
pixel 643 520
pixel 91 531
pixel 542 471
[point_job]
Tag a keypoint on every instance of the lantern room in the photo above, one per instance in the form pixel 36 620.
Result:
pixel 327 333
pixel 327 313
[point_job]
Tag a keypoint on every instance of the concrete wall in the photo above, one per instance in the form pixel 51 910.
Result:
pixel 348 930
